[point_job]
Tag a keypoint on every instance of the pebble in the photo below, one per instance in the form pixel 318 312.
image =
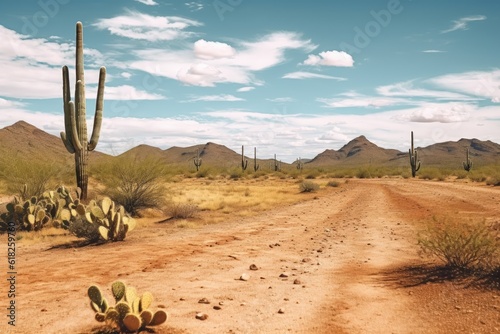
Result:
pixel 284 275
pixel 253 267
pixel 204 301
pixel 297 281
pixel 217 307
pixel 201 316
pixel 244 277
pixel 281 311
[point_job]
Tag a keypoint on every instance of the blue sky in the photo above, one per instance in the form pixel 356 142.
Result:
pixel 289 77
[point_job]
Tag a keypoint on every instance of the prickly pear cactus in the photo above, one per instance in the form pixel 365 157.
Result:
pixel 131 312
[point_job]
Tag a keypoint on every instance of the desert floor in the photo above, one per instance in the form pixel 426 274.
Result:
pixel 344 260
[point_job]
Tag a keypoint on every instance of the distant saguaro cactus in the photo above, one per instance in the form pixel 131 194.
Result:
pixel 244 162
pixel 300 164
pixel 277 164
pixel 197 159
pixel 414 162
pixel 255 165
pixel 75 124
pixel 468 162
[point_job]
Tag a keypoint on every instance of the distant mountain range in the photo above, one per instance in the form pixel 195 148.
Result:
pixel 24 140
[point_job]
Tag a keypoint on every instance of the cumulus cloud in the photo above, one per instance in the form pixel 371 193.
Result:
pixel 212 50
pixel 438 112
pixel 407 89
pixel 310 75
pixel 462 23
pixel 136 25
pixel 352 99
pixel 281 99
pixel 201 75
pixel 330 58
pixel 194 6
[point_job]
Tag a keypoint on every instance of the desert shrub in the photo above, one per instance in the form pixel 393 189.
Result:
pixel 308 186
pixel 28 178
pixel 134 184
pixel 203 172
pixel 181 210
pixel 333 184
pixel 363 173
pixel 463 246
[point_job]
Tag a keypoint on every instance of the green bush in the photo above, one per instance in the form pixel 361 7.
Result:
pixel 333 184
pixel 134 184
pixel 308 186
pixel 463 246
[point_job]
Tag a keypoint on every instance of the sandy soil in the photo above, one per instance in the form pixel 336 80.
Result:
pixel 349 256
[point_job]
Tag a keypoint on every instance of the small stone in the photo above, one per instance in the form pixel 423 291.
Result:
pixel 307 259
pixel 201 316
pixel 253 267
pixel 281 311
pixel 244 277
pixel 221 303
pixel 284 275
pixel 217 307
pixel 204 301
pixel 297 281
pixel 182 299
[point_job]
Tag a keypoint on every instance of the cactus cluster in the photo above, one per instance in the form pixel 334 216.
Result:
pixel 197 160
pixel 112 222
pixel 414 162
pixel 54 207
pixel 468 162
pixel 75 123
pixel 131 312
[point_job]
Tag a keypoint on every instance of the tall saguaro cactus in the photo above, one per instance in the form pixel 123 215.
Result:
pixel 197 160
pixel 414 162
pixel 75 124
pixel 300 164
pixel 468 162
pixel 255 165
pixel 244 162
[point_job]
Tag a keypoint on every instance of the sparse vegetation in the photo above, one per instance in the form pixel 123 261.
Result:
pixel 308 186
pixel 333 184
pixel 461 245
pixel 181 210
pixel 135 185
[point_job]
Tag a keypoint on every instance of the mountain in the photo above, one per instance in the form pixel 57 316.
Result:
pixel 357 152
pixel 453 153
pixel 25 141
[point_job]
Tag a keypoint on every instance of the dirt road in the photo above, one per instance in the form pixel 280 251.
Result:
pixel 334 264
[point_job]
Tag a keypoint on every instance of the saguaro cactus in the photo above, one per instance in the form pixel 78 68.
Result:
pixel 197 160
pixel 244 162
pixel 414 162
pixel 277 164
pixel 468 162
pixel 255 165
pixel 300 164
pixel 75 124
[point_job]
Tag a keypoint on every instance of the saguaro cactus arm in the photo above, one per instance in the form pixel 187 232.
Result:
pixel 255 165
pixel 99 106
pixel 244 163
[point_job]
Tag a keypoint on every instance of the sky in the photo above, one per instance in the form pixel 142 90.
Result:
pixel 292 78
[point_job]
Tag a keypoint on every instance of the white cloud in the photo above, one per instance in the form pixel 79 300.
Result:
pixel 148 2
pixel 194 6
pixel 439 112
pixel 245 89
pixel 478 83
pixel 135 25
pixel 212 50
pixel 461 24
pixel 250 57
pixel 216 98
pixel 358 100
pixel 406 89
pixel 330 58
pixel 126 75
pixel 433 51
pixel 281 99
pixel 124 92
pixel 310 75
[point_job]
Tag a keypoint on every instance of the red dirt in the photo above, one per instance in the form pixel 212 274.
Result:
pixel 352 249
